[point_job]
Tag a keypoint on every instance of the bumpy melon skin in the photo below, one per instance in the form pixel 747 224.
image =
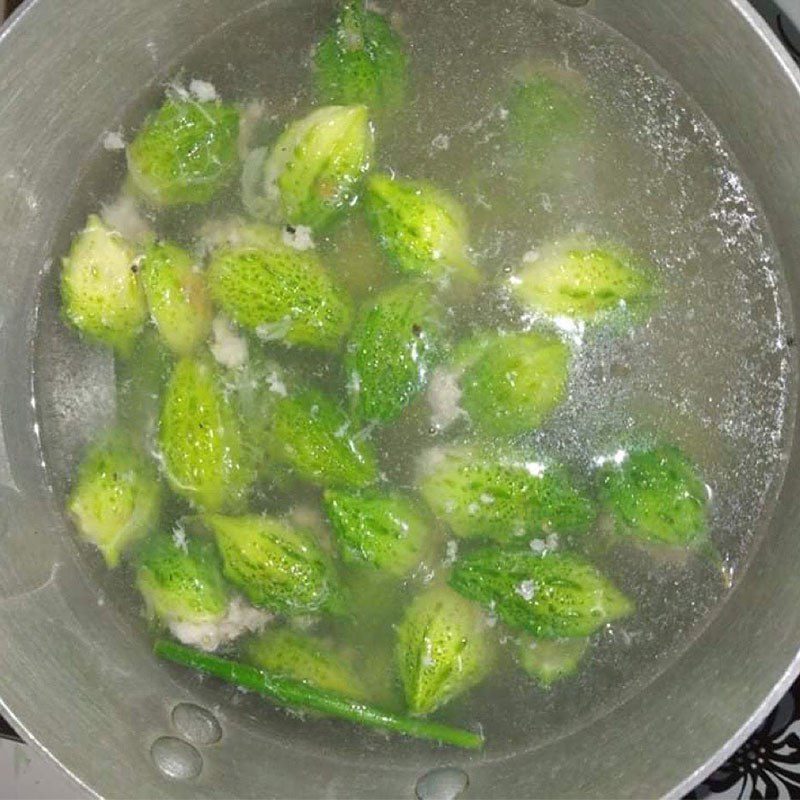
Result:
pixel 204 457
pixel 177 297
pixel 277 567
pixel 314 436
pixel 383 531
pixel 656 495
pixel 548 661
pixel 116 498
pixel 314 171
pixel 361 60
pixel 511 383
pixel 100 292
pixel 548 595
pixel 310 659
pixel 544 111
pixel 443 649
pixel 181 583
pixel 481 494
pixel 280 294
pixel 395 343
pixel 185 153
pixel 422 230
pixel 588 283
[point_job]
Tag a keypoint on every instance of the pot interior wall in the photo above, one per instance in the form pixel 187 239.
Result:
pixel 65 661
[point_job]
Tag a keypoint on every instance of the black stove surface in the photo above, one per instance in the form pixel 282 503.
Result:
pixel 7 732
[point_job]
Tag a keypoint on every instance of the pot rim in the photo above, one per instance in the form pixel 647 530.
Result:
pixel 792 71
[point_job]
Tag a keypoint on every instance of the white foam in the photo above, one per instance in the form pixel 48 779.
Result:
pixel 240 618
pixel 299 237
pixel 227 346
pixel 203 91
pixel 113 140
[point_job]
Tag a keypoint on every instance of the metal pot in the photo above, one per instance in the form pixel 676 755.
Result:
pixel 84 687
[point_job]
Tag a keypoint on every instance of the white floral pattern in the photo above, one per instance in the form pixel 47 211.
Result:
pixel 767 765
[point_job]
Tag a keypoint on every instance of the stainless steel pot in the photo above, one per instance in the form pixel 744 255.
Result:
pixel 87 690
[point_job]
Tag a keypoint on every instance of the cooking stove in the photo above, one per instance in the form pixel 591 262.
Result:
pixel 766 765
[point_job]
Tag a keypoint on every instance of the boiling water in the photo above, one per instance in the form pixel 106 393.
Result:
pixel 709 370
